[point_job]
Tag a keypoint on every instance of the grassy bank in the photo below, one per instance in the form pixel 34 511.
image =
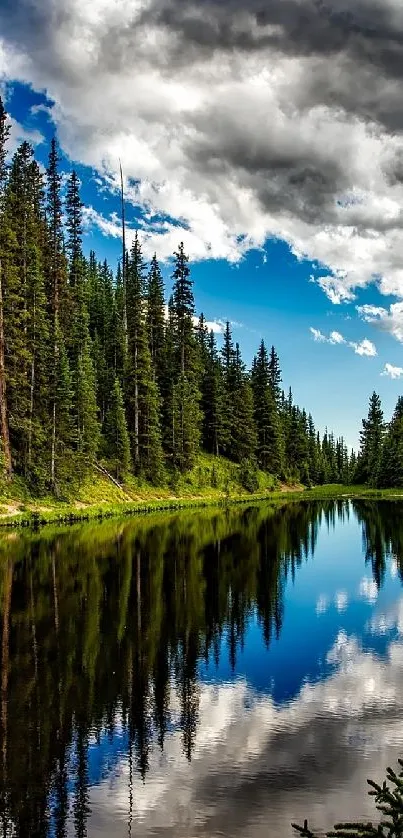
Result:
pixel 213 481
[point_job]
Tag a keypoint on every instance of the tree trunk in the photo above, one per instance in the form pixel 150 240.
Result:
pixel 3 399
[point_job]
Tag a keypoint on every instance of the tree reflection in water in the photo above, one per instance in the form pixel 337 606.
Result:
pixel 100 622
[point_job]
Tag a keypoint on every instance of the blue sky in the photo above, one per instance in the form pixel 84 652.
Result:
pixel 286 193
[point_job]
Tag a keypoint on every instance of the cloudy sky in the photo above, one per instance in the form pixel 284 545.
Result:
pixel 268 136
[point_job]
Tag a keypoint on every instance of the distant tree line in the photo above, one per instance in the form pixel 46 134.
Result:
pixel 97 367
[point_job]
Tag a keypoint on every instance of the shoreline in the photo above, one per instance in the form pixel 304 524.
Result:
pixel 32 515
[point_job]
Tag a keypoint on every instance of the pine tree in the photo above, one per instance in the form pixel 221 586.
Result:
pixel 270 447
pixel 244 437
pixel 275 376
pixel 371 439
pixel 74 229
pixel 56 271
pixel 142 395
pixel 212 399
pixel 391 462
pixel 4 419
pixel 85 409
pixel 185 416
pixel 228 375
pixel 156 319
pixel 116 433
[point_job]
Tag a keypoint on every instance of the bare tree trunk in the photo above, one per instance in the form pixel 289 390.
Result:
pixel 3 399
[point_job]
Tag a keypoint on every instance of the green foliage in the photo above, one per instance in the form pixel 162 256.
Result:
pixel 371 438
pixel 116 433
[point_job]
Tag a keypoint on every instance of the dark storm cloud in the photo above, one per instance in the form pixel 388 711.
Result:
pixel 359 45
pixel 292 177
pixel 300 27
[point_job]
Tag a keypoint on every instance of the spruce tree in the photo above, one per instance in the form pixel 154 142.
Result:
pixel 270 447
pixel 391 462
pixel 275 375
pixel 116 433
pixel 142 394
pixel 228 375
pixel 244 437
pixel 56 274
pixel 212 399
pixel 85 408
pixel 4 418
pixel 185 417
pixel 156 319
pixel 371 439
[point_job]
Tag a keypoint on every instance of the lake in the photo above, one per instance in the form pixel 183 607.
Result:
pixel 206 673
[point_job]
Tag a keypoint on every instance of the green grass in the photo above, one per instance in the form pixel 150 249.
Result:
pixel 212 481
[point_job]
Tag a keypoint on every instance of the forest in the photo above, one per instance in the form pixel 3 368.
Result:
pixel 97 367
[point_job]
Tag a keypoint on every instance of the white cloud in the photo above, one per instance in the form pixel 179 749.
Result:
pixel 390 321
pixel 317 335
pixel 336 337
pixel 322 604
pixel 392 372
pixel 188 136
pixel 341 600
pixel 368 589
pixel 365 347
pixel 354 714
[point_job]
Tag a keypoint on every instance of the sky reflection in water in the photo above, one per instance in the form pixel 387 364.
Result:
pixel 263 650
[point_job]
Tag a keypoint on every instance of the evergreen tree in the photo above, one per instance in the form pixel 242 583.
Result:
pixel 228 375
pixel 85 408
pixel 270 448
pixel 56 271
pixel 212 399
pixel 116 433
pixel 275 375
pixel 371 439
pixel 391 463
pixel 244 437
pixel 4 415
pixel 142 395
pixel 185 417
pixel 156 319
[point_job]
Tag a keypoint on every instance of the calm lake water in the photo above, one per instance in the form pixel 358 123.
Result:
pixel 201 674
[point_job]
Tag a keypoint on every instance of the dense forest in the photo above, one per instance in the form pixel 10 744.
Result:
pixel 97 368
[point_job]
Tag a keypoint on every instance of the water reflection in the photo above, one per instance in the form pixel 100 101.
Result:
pixel 200 674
